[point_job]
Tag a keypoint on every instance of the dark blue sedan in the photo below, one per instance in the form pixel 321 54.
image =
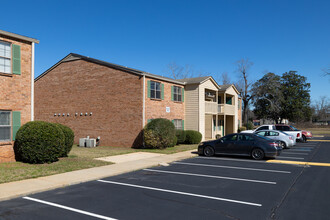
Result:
pixel 241 144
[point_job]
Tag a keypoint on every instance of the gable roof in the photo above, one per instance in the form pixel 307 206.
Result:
pixel 74 56
pixel 17 36
pixel 227 86
pixel 199 80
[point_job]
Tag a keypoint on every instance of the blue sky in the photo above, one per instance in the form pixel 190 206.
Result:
pixel 210 36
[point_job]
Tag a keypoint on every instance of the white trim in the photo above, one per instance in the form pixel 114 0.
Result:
pixel 144 102
pixel 32 82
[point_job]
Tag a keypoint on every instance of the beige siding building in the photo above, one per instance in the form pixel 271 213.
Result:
pixel 210 109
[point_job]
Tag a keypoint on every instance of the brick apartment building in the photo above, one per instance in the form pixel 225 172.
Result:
pixel 97 98
pixel 16 88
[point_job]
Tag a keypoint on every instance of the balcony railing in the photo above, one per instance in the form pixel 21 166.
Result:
pixel 214 108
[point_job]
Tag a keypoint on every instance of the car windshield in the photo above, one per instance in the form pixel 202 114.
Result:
pixel 295 129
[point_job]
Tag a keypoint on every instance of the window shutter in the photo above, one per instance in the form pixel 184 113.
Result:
pixel 182 124
pixel 162 91
pixel 173 121
pixel 149 120
pixel 16 123
pixel 172 93
pixel 182 95
pixel 148 88
pixel 16 59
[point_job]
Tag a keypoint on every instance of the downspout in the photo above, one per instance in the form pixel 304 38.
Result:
pixel 32 82
pixel 144 102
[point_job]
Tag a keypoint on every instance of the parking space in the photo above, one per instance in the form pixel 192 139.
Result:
pixel 198 188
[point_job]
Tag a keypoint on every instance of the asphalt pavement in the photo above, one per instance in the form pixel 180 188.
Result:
pixel 197 188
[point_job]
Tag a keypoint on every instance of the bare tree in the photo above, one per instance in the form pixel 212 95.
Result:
pixel 243 66
pixel 179 72
pixel 326 71
pixel 225 79
pixel 321 107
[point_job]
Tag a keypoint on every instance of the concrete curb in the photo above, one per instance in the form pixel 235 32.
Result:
pixel 30 186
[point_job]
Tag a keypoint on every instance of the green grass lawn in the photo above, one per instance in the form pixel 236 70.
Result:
pixel 318 131
pixel 79 158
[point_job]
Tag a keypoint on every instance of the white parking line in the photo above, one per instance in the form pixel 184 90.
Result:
pixel 230 167
pixel 182 193
pixel 294 153
pixel 69 208
pixel 209 176
pixel 298 150
pixel 296 158
pixel 222 158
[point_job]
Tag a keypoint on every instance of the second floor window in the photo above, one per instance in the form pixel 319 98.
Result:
pixel 177 94
pixel 155 91
pixel 5 57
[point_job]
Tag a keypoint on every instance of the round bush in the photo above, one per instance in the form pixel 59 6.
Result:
pixel 193 137
pixel 181 136
pixel 69 138
pixel 159 133
pixel 39 142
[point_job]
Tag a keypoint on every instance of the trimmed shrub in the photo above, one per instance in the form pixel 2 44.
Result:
pixel 39 142
pixel 240 129
pixel 249 125
pixel 159 133
pixel 217 136
pixel 193 137
pixel 181 136
pixel 69 138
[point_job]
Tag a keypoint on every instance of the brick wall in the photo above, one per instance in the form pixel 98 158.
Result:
pixel 114 98
pixel 157 108
pixel 15 93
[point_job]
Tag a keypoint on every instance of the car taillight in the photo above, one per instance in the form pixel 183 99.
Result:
pixel 273 144
pixel 298 135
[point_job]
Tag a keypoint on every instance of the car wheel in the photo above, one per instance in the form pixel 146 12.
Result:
pixel 283 145
pixel 304 139
pixel 208 151
pixel 257 154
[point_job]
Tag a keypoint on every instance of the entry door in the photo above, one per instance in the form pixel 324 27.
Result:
pixel 208 126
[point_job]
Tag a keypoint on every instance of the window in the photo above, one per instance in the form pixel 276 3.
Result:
pixel 177 94
pixel 262 128
pixel 5 126
pixel 262 133
pixel 155 90
pixel 230 138
pixel 178 124
pixel 5 57
pixel 272 133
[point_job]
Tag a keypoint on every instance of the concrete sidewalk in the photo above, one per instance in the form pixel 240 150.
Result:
pixel 123 164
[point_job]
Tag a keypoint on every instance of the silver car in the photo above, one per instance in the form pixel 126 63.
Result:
pixel 286 140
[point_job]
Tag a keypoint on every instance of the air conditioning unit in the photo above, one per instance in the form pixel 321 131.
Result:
pixel 91 142
pixel 82 142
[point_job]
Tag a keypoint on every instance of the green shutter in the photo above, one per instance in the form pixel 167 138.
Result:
pixel 182 94
pixel 148 88
pixel 16 123
pixel 162 91
pixel 149 120
pixel 172 93
pixel 173 121
pixel 182 124
pixel 16 59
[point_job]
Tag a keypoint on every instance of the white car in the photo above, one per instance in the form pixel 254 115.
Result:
pixel 286 140
pixel 263 127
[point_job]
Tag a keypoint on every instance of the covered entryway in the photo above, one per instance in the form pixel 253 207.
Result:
pixel 208 127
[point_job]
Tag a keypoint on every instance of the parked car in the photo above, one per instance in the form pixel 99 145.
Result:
pixel 286 140
pixel 244 144
pixel 289 129
pixel 263 127
pixel 306 135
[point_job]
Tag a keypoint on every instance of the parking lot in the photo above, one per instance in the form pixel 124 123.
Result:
pixel 198 188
